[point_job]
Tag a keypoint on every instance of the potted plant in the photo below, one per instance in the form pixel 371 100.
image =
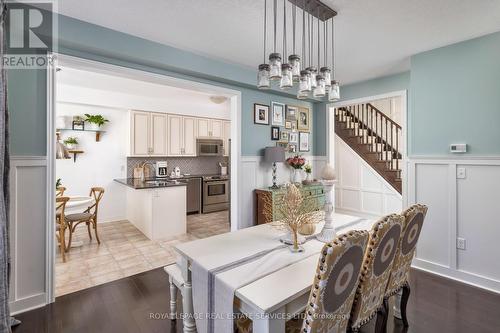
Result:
pixel 296 162
pixel 95 121
pixel 71 143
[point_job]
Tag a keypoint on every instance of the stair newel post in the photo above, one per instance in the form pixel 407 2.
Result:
pixel 397 149
pixel 392 147
pixel 386 139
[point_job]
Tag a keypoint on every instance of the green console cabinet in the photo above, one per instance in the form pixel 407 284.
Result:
pixel 315 193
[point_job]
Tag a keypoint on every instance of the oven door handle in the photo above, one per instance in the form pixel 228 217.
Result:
pixel 216 182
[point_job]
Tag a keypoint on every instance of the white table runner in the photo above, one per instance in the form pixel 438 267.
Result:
pixel 214 285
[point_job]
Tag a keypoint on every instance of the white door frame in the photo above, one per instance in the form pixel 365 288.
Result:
pixel 330 121
pixel 95 66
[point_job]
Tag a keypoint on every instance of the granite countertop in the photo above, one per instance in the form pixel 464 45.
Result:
pixel 139 184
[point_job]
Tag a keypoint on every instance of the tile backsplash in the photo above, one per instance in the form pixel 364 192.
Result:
pixel 193 165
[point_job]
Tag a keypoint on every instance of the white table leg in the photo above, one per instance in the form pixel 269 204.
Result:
pixel 187 304
pixel 173 299
pixel 270 323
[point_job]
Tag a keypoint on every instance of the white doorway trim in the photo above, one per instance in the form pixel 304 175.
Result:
pixel 404 125
pixel 104 68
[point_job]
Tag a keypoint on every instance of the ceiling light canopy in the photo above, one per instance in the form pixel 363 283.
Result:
pixel 314 69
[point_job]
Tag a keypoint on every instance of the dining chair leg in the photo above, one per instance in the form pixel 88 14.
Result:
pixel 381 318
pixel 88 229
pixel 71 229
pixel 62 244
pixel 95 230
pixel 404 301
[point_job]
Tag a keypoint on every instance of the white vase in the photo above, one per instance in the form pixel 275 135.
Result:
pixel 92 127
pixel 297 176
pixel 71 146
pixel 309 177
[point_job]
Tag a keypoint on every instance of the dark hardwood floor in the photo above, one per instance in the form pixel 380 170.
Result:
pixel 128 305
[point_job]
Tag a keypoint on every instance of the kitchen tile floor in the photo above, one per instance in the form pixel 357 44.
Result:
pixel 125 251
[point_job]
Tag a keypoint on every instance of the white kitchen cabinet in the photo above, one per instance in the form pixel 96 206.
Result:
pixel 158 134
pixel 203 127
pixel 210 128
pixel 189 136
pixel 175 138
pixel 226 135
pixel 140 133
pixel 182 136
pixel 216 128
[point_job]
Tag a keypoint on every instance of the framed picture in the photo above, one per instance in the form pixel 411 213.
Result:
pixel 278 110
pixel 292 148
pixel 304 119
pixel 294 125
pixel 275 133
pixel 293 137
pixel 282 144
pixel 288 124
pixel 261 114
pixel 284 136
pixel 291 112
pixel 303 141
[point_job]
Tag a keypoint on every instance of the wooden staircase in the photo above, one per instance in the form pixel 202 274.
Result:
pixel 373 136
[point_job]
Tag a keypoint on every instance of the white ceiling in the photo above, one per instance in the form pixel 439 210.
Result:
pixel 373 38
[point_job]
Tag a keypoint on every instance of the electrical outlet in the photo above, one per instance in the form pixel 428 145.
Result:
pixel 461 174
pixel 461 243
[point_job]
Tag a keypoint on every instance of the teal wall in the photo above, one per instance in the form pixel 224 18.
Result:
pixel 455 98
pixel 27 88
pixel 377 86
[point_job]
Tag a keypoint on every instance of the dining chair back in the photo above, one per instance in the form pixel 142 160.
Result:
pixel 412 226
pixel 378 260
pixel 61 224
pixel 335 282
pixel 60 191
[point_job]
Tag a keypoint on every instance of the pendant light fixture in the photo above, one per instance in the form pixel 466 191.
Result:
pixel 263 81
pixel 334 91
pixel 290 68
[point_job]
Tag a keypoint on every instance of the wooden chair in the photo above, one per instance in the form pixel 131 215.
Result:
pixel 60 191
pixel 398 281
pixel 334 287
pixel 61 224
pixel 89 216
pixel 378 260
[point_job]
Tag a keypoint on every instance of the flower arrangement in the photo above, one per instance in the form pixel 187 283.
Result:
pixel 294 212
pixel 296 162
pixel 308 168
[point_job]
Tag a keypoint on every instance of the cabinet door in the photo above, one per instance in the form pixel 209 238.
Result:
pixel 226 137
pixel 216 128
pixel 203 127
pixel 139 133
pixel 189 129
pixel 159 134
pixel 174 135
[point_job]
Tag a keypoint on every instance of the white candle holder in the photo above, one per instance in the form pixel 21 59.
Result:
pixel 328 233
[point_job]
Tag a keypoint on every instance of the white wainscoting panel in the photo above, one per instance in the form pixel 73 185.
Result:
pixel 28 232
pixel 466 208
pixel 257 174
pixel 361 190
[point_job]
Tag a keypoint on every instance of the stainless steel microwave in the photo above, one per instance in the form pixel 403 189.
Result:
pixel 209 147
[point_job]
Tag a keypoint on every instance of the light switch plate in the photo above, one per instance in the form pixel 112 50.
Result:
pixel 461 244
pixel 461 173
pixel 458 148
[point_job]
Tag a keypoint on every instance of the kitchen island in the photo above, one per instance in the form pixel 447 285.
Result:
pixel 156 207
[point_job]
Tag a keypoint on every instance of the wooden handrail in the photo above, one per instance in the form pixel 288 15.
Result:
pixel 383 115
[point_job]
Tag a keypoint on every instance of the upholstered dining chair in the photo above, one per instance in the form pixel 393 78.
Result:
pixel 377 265
pixel 332 293
pixel 398 280
pixel 61 224
pixel 89 216
pixel 60 191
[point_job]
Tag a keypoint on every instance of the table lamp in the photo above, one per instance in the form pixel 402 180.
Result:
pixel 274 155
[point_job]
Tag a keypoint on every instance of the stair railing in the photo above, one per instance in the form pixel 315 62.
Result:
pixel 374 127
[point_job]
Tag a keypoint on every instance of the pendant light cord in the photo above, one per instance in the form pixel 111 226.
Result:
pixel 333 50
pixel 265 30
pixel 304 33
pixel 294 14
pixel 284 31
pixel 318 40
pixel 275 10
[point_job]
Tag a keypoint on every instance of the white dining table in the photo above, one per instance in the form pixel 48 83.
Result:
pixel 270 300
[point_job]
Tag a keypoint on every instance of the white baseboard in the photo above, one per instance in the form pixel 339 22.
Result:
pixel 457 275
pixel 28 303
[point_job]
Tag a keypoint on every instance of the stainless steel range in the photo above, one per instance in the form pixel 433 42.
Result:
pixel 215 193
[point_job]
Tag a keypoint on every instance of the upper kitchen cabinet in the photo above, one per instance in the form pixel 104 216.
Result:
pixel 182 136
pixel 226 136
pixel 148 134
pixel 209 128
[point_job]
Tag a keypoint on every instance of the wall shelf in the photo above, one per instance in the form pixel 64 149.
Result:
pixel 75 153
pixel 97 132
